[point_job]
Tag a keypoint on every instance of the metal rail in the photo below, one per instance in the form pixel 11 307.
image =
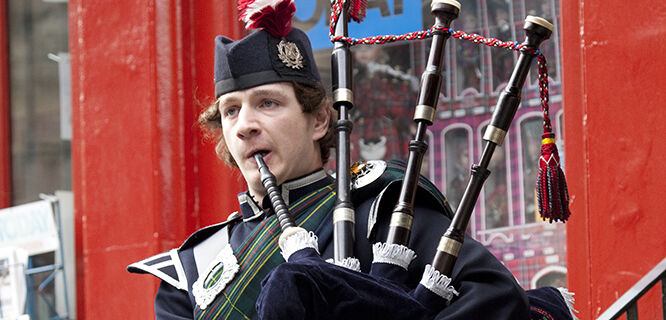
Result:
pixel 628 302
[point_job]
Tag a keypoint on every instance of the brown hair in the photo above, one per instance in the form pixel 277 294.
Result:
pixel 311 99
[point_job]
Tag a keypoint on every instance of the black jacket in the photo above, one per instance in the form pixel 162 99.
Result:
pixel 487 289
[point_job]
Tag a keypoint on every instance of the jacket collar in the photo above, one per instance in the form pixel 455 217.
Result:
pixel 292 190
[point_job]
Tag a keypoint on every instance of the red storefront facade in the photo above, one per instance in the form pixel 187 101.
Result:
pixel 144 178
pixel 134 103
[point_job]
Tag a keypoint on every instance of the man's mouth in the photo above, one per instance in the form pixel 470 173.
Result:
pixel 263 153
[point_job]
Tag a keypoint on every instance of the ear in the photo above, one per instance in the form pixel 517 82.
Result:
pixel 320 123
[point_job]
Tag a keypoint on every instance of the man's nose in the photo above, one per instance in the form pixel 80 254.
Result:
pixel 248 124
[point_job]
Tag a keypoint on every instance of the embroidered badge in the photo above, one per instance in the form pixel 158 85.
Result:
pixel 290 55
pixel 365 172
pixel 218 273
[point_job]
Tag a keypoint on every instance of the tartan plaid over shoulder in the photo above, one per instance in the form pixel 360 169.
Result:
pixel 258 255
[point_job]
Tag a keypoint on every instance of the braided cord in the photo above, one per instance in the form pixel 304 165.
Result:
pixel 543 91
pixel 336 10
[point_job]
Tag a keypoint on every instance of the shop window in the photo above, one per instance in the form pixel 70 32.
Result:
pixel 467 62
pixel 549 10
pixel 551 276
pixel 457 161
pixel 530 146
pixel 559 141
pixel 41 149
pixel 385 87
pixel 500 26
pixel 428 166
pixel 496 199
pixel 40 123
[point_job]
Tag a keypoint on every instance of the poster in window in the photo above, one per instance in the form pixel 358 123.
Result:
pixel 12 282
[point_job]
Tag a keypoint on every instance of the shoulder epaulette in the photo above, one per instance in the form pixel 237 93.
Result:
pixel 166 266
pixel 203 233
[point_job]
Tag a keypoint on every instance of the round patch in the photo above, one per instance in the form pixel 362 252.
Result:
pixel 216 277
pixel 365 172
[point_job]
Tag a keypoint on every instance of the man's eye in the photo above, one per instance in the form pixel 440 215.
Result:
pixel 230 112
pixel 269 103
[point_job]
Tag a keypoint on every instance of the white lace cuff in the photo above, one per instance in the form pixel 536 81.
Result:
pixel 438 283
pixel 396 254
pixel 350 263
pixel 296 238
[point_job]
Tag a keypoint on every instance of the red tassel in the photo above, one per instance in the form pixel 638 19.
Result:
pixel 552 192
pixel 357 9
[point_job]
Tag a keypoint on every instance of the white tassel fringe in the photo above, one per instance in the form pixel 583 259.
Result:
pixel 438 283
pixel 569 299
pixel 296 238
pixel 395 254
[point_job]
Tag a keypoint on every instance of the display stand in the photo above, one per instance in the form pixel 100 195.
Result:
pixel 30 224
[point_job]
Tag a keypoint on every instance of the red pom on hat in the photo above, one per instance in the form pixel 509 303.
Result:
pixel 272 16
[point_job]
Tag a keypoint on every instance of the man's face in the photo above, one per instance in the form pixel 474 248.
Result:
pixel 269 119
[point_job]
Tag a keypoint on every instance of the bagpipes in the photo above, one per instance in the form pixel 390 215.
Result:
pixel 343 101
pixel 321 290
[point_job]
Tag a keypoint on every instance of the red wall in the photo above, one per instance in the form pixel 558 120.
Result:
pixel 614 99
pixel 142 177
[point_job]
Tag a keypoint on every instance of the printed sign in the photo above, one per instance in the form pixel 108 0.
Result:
pixel 383 17
pixel 12 283
pixel 30 227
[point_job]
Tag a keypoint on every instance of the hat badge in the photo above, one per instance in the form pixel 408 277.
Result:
pixel 290 55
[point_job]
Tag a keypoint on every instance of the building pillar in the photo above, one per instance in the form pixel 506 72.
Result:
pixel 143 179
pixel 614 95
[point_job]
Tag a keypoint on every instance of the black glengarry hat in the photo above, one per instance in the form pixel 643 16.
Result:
pixel 276 53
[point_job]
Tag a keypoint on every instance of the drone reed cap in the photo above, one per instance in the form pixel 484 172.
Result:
pixel 540 21
pixel 449 2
